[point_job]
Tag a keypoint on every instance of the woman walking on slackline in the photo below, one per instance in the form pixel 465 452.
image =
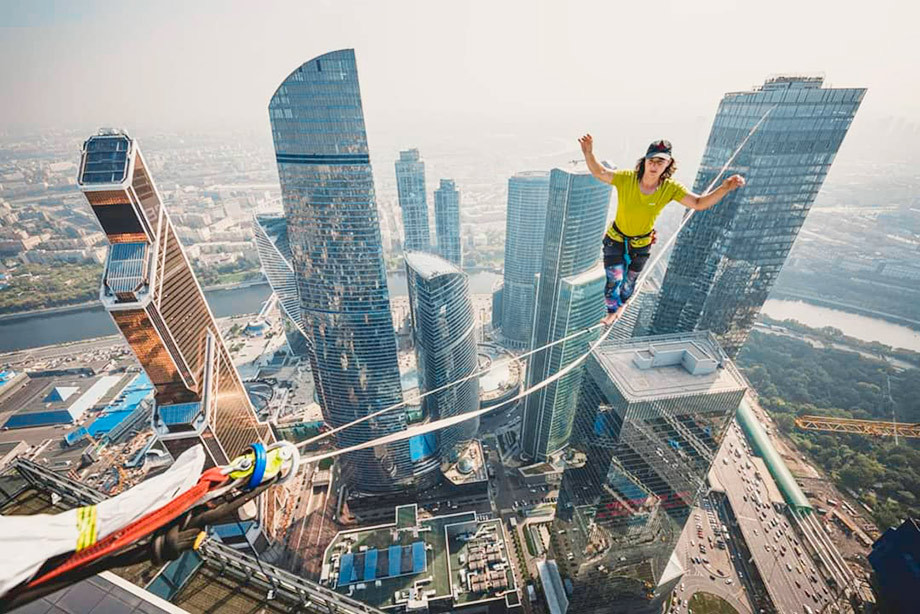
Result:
pixel 641 195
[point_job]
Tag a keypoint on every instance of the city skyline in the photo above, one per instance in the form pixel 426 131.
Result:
pixel 607 490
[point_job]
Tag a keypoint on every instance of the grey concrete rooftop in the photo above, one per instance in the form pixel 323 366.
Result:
pixel 667 366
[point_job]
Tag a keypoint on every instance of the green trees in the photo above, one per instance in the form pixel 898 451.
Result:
pixel 794 378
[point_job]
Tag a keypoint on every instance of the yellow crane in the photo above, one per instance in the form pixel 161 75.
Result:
pixel 859 427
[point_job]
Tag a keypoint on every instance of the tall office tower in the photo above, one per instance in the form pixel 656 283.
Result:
pixel 270 232
pixel 528 193
pixel 410 187
pixel 327 190
pixel 151 292
pixel 651 415
pixel 570 297
pixel 447 221
pixel 445 343
pixel 727 258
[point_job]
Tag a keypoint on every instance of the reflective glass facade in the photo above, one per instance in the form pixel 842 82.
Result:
pixel 727 258
pixel 327 189
pixel 270 232
pixel 525 222
pixel 445 343
pixel 447 221
pixel 651 415
pixel 413 201
pixel 570 297
pixel 152 294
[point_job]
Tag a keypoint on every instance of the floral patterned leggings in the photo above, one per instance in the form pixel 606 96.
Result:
pixel 622 271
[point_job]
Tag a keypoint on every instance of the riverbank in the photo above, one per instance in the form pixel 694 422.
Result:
pixel 838 306
pixel 96 305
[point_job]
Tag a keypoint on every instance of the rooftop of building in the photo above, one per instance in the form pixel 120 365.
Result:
pixel 414 560
pixel 666 366
pixel 531 175
pixel 430 266
pixel 62 399
pixel 409 155
pixel 505 375
pixel 470 467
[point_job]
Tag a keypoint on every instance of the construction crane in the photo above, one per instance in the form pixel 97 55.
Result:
pixel 858 427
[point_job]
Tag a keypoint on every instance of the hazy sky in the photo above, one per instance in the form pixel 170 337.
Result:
pixel 216 64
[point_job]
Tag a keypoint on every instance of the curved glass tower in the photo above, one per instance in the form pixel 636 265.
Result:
pixel 570 297
pixel 526 218
pixel 445 341
pixel 327 190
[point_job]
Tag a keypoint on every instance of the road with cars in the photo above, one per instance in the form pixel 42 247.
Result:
pixel 789 573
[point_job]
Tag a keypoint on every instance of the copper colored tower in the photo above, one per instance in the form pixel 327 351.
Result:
pixel 151 292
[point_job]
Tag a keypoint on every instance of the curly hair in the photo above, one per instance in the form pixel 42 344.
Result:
pixel 666 174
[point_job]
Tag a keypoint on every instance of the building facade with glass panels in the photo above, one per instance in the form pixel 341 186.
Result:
pixel 444 329
pixel 528 193
pixel 413 201
pixel 150 290
pixel 569 297
pixel 651 415
pixel 270 232
pixel 327 190
pixel 447 221
pixel 726 259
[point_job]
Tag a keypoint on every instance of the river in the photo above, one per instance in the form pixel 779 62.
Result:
pixel 64 327
pixel 853 325
pixel 49 329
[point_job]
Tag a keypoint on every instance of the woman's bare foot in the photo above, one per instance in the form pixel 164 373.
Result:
pixel 610 318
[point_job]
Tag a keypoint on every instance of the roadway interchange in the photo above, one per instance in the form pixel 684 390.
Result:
pixel 774 540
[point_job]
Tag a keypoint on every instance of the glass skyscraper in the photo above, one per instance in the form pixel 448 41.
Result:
pixel 152 294
pixel 445 343
pixel 327 189
pixel 528 193
pixel 727 258
pixel 270 232
pixel 651 415
pixel 447 221
pixel 570 297
pixel 413 201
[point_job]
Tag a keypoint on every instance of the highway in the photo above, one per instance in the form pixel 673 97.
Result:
pixel 782 559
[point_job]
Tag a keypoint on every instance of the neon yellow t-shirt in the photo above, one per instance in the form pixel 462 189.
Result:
pixel 637 212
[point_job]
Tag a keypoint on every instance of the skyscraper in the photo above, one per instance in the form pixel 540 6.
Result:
pixel 525 222
pixel 570 297
pixel 270 232
pixel 410 187
pixel 651 415
pixel 447 221
pixel 445 340
pixel 327 190
pixel 151 292
pixel 727 258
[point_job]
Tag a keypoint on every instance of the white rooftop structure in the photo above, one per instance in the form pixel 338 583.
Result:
pixel 666 366
pixel 430 266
